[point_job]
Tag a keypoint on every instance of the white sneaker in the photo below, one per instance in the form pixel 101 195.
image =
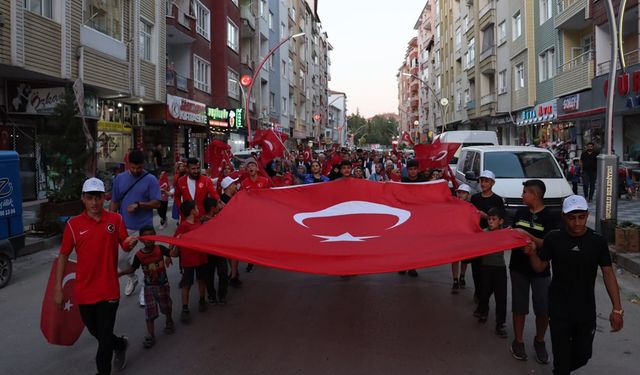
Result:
pixel 141 297
pixel 132 283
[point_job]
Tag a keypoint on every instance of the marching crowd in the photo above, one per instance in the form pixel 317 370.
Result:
pixel 104 240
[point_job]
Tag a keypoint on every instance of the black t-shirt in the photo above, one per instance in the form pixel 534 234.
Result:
pixel 589 161
pixel 419 178
pixel 485 204
pixel 225 198
pixel 575 262
pixel 539 225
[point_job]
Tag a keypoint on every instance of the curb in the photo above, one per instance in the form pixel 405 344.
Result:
pixel 629 261
pixel 39 245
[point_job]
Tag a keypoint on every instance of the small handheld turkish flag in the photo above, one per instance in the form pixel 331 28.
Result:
pixel 61 326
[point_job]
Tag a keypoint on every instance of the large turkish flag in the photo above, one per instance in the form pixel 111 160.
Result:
pixel 347 227
pixel 61 326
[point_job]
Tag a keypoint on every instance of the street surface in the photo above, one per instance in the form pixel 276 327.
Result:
pixel 291 323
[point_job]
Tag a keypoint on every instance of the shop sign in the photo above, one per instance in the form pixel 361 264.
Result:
pixel 225 119
pixel 35 101
pixel 541 113
pixel 571 103
pixel 111 126
pixel 181 109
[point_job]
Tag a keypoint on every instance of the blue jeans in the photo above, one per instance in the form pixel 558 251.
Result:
pixel 588 183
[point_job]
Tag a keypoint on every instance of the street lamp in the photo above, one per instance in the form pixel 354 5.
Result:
pixel 255 75
pixel 443 102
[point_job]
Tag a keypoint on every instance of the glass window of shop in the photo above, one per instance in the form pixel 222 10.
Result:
pixel 592 131
pixel 631 138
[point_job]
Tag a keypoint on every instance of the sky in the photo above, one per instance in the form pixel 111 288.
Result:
pixel 369 39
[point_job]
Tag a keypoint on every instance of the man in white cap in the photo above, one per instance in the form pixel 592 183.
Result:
pixel 575 252
pixel 458 269
pixel 95 235
pixel 485 200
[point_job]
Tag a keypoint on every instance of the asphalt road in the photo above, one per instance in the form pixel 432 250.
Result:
pixel 290 323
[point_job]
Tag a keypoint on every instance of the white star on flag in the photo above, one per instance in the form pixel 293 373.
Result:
pixel 68 305
pixel 344 237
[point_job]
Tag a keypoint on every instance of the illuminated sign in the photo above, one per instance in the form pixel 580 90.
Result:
pixel 225 119
pixel 541 113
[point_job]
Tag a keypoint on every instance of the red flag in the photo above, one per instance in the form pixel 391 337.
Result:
pixel 271 143
pixel 348 227
pixel 435 155
pixel 61 326
pixel 218 155
pixel 307 154
pixel 406 137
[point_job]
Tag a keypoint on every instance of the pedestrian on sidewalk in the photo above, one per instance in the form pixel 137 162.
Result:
pixel 493 279
pixel 589 166
pixel 536 221
pixel 154 260
pixel 575 252
pixel 136 193
pixel 95 235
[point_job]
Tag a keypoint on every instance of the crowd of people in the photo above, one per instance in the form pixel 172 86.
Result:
pixel 562 241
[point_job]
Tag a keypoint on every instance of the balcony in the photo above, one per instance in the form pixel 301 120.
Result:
pixel 248 19
pixel 630 58
pixel 488 60
pixel 488 105
pixel 468 28
pixel 487 15
pixel 181 26
pixel 178 84
pixel 575 75
pixel 571 15
pixel 471 104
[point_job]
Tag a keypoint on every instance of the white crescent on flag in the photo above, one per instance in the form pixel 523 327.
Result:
pixel 354 208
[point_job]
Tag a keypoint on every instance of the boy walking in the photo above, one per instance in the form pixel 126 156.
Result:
pixel 216 264
pixel 153 259
pixel 193 263
pixel 493 279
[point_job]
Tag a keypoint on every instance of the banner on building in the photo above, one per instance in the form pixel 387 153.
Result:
pixel 186 111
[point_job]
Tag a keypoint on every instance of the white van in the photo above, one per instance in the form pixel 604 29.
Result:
pixel 513 165
pixel 467 138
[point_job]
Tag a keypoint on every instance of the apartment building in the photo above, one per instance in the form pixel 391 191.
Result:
pixel 424 27
pixel 337 117
pixel 409 91
pixel 113 50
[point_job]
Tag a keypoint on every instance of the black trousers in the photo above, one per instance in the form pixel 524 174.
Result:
pixel 162 210
pixel 217 265
pixel 475 275
pixel 493 280
pixel 572 344
pixel 99 318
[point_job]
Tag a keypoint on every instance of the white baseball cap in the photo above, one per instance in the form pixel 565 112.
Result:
pixel 488 174
pixel 574 203
pixel 93 185
pixel 227 181
pixel 464 187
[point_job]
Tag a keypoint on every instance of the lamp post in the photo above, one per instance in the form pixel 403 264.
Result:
pixel 442 102
pixel 255 75
pixel 607 176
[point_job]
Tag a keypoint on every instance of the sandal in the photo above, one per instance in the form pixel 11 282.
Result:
pixel 148 342
pixel 168 328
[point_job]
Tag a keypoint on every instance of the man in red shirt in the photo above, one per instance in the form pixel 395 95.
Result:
pixel 95 235
pixel 194 187
pixel 254 180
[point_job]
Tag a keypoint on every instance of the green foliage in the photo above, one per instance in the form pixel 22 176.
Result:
pixel 66 152
pixel 377 130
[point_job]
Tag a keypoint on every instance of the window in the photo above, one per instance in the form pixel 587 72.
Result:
pixel 104 16
pixel 283 68
pixel 437 6
pixel 467 98
pixel 458 38
pixel 521 164
pixel 233 85
pixel 263 7
pixel 546 65
pixel 487 39
pixel 471 52
pixel 437 59
pixel 202 19
pixel 545 10
pixel 519 77
pixel 271 62
pixel 502 82
pixel 232 35
pixel 201 74
pixel 283 30
pixel 40 7
pixel 437 33
pixel 270 20
pixel 517 25
pixel 502 32
pixel 272 102
pixel 284 105
pixel 145 41
pixel 438 83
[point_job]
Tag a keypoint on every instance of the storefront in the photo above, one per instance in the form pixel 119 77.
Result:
pixel 227 125
pixel 626 111
pixel 116 137
pixel 535 125
pixel 189 119
pixel 30 120
pixel 580 121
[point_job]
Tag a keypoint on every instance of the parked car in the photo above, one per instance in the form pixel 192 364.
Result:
pixel 513 165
